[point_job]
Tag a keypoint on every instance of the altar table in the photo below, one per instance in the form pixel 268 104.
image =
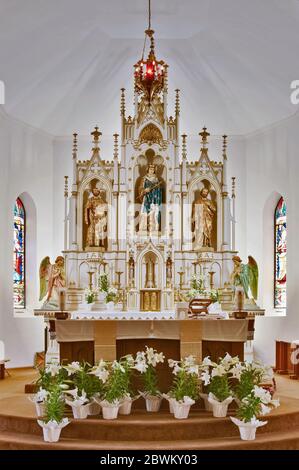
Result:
pixel 109 339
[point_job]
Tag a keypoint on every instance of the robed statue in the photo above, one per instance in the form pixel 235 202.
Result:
pixel 95 216
pixel 52 280
pixel 150 194
pixel 246 276
pixel 204 212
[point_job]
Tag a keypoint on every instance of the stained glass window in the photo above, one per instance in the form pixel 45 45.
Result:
pixel 19 255
pixel 280 287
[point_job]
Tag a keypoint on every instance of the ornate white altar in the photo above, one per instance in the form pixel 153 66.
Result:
pixel 149 245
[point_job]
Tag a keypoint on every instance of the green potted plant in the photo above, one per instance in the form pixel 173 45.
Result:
pixel 90 298
pixel 109 294
pixel 257 403
pixel 184 390
pixel 50 376
pixel 129 396
pixel 146 362
pixel 116 387
pixel 54 420
pixel 85 387
pixel 217 378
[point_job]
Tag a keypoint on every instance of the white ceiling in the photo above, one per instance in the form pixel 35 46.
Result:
pixel 64 61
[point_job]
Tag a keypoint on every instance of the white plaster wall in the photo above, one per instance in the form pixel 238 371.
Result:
pixel 26 169
pixel 272 168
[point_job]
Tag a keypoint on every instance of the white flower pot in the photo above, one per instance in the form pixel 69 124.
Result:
pixel 80 410
pixel 94 408
pixel 170 402
pixel 153 403
pixel 219 407
pixel 102 296
pixel 110 306
pixel 109 410
pixel 52 429
pixel 181 410
pixel 248 430
pixel 126 407
pixel 208 405
pixel 40 409
pixel 89 306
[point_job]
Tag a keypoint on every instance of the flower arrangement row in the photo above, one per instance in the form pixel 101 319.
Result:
pixel 107 388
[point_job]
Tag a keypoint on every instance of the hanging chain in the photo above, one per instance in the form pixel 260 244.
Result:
pixel 149 15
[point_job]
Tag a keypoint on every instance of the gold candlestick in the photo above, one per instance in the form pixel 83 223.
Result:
pixel 90 274
pixel 118 273
pixel 124 300
pixel 181 274
pixel 104 264
pixel 195 263
pixel 211 273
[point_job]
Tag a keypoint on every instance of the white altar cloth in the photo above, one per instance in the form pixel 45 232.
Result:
pixel 83 329
pixel 119 315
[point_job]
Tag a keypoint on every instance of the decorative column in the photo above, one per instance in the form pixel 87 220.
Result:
pixel 185 226
pixel 122 113
pixel 73 202
pixel 114 218
pixel 165 93
pixel 177 113
pixel 66 195
pixel 233 213
pixel 226 235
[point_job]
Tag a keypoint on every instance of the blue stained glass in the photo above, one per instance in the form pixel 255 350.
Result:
pixel 280 280
pixel 19 255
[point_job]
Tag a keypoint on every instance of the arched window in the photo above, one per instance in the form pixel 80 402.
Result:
pixel 280 274
pixel 19 254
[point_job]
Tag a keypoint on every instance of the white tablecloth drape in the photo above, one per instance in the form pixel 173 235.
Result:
pixel 212 330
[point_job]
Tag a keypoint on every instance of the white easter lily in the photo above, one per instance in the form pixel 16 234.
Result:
pixel 73 368
pixel 40 396
pixel 53 369
pixel 205 377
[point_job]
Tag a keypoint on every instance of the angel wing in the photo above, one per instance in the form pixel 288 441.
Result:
pixel 253 276
pixel 244 278
pixel 44 277
pixel 249 277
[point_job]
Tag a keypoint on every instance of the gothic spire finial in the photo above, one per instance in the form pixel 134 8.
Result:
pixel 122 102
pixel 96 135
pixel 115 145
pixel 177 102
pixel 204 137
pixel 66 186
pixel 75 143
pixel 184 146
pixel 233 187
pixel 224 146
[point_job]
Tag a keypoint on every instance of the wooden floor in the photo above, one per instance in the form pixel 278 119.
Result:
pixel 19 429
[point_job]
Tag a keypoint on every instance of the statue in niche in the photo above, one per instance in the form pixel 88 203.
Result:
pixel 131 271
pixel 150 193
pixel 95 216
pixel 204 212
pixel 168 271
pixel 52 280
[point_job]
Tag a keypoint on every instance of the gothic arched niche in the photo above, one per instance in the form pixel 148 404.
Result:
pixel 150 193
pixel 150 134
pixel 95 217
pixel 204 217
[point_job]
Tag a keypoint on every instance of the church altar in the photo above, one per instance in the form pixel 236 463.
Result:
pixel 148 229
